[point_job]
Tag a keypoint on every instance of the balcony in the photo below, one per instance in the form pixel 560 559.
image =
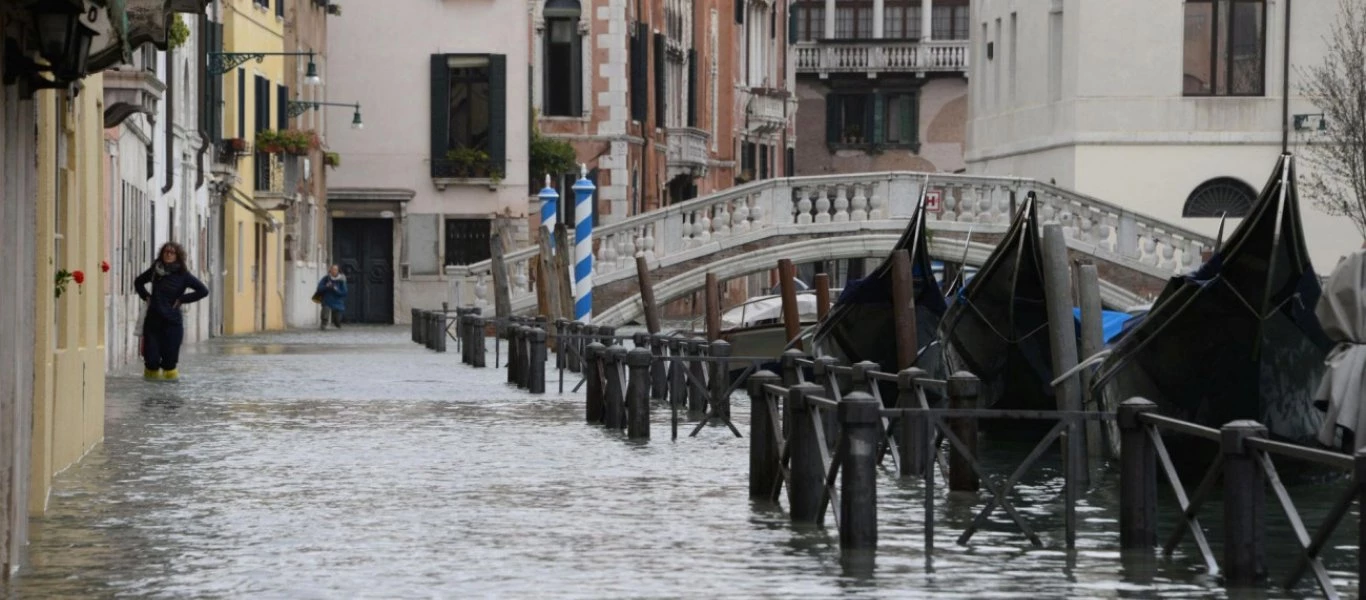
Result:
pixel 277 180
pixel 128 91
pixel 873 57
pixel 687 151
pixel 765 109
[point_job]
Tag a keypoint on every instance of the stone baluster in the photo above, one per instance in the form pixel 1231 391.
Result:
pixel 607 254
pixel 520 282
pixel 638 241
pixel 722 224
pixel 802 209
pixel 626 257
pixel 986 204
pixel 841 204
pixel 702 225
pixel 1168 256
pixel 877 205
pixel 740 216
pixel 757 211
pixel 966 206
pixel 1002 212
pixel 1148 247
pixel 822 205
pixel 481 292
pixel 859 205
pixel 650 241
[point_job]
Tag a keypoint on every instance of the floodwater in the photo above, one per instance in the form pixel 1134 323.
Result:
pixel 354 463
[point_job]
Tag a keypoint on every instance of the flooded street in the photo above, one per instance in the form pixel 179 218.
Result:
pixel 355 463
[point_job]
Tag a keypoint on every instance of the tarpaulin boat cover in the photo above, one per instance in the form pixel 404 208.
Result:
pixel 1342 312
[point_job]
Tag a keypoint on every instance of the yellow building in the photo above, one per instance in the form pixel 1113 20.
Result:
pixel 254 100
pixel 68 395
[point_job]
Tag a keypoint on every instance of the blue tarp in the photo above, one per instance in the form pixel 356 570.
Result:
pixel 1111 322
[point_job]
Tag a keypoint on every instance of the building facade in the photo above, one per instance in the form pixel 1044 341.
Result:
pixel 443 149
pixel 306 251
pixel 662 100
pixel 882 84
pixel 1173 109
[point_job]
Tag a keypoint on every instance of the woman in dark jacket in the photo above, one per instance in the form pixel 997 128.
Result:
pixel 162 330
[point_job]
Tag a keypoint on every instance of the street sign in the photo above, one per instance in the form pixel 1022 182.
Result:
pixel 932 201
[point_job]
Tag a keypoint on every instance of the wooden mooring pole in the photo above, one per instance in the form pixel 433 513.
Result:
pixel 712 297
pixel 792 318
pixel 1137 478
pixel 822 295
pixel 592 375
pixel 913 427
pixel 1092 341
pixel 1244 506
pixel 862 424
pixel 638 394
pixel 764 464
pixel 1062 338
pixel 806 489
pixel 963 388
pixel 616 392
pixel 647 294
pixel 903 309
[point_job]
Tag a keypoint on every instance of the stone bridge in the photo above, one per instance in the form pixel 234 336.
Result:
pixel 746 229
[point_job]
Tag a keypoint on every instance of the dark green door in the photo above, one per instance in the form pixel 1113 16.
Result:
pixel 364 249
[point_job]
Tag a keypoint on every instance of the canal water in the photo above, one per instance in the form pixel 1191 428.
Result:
pixel 355 464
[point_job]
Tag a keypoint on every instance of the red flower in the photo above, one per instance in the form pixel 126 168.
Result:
pixel 104 266
pixel 78 276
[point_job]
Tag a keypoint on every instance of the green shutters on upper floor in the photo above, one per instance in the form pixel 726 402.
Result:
pixel 873 119
pixel 468 115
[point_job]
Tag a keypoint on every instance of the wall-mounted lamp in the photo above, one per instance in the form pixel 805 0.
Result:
pixel 63 40
pixel 299 107
pixel 222 62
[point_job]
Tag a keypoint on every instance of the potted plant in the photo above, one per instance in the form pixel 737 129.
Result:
pixel 332 159
pixel 334 9
pixel 236 144
pixel 469 162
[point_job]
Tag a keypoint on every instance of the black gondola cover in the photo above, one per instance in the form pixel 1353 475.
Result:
pixel 1236 339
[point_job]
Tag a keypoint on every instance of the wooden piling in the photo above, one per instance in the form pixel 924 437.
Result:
pixel 475 341
pixel 564 270
pixel 858 376
pixel 561 343
pixel 678 383
pixel 697 401
pixel 575 357
pixel 1244 506
pixel 790 369
pixel 595 404
pixel 913 427
pixel 502 297
pixel 615 418
pixel 1062 338
pixel 1137 478
pixel 720 379
pixel 638 394
pixel 659 375
pixel 764 464
pixel 415 324
pixel 1092 341
pixel 647 294
pixel 806 489
pixel 536 376
pixel 526 354
pixel 822 295
pixel 792 318
pixel 862 424
pixel 712 297
pixel 439 332
pixel 513 363
pixel 903 309
pixel 963 388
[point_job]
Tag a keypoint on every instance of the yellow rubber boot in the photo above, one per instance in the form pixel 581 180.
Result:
pixel 171 375
pixel 151 373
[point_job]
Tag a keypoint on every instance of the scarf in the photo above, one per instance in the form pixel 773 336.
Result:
pixel 162 269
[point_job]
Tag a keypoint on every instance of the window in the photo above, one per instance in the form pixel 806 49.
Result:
pixel 468 121
pixel 810 21
pixel 1224 48
pixel 563 68
pixel 853 19
pixel 901 20
pixel 467 241
pixel 1220 196
pixel 864 119
pixel 950 21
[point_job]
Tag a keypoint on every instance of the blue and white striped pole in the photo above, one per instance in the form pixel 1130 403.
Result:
pixel 583 247
pixel 549 208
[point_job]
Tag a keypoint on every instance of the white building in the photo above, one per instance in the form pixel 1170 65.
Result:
pixel 445 96
pixel 156 193
pixel 1173 109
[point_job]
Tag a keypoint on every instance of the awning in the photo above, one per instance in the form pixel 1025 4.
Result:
pixel 250 203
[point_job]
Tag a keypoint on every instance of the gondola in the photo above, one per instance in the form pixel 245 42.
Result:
pixel 997 328
pixel 1237 338
pixel 860 326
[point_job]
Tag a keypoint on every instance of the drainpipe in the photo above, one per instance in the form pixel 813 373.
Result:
pixel 168 123
pixel 1285 85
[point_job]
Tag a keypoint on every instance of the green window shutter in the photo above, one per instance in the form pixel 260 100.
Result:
pixel 907 120
pixel 879 118
pixel 241 103
pixel 498 121
pixel 739 11
pixel 692 88
pixel 282 106
pixel 440 123
pixel 660 92
pixel 792 26
pixel 832 119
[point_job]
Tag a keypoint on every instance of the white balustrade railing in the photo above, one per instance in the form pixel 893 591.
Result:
pixel 687 147
pixel 881 201
pixel 874 56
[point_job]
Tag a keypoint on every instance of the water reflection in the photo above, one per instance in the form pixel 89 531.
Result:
pixel 357 464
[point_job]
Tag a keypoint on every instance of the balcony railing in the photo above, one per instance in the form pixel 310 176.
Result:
pixel 765 109
pixel 277 178
pixel 687 150
pixel 872 56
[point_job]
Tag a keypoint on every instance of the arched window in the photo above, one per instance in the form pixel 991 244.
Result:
pixel 1218 196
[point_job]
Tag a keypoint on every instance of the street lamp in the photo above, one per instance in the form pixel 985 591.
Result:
pixel 222 62
pixel 64 40
pixel 299 107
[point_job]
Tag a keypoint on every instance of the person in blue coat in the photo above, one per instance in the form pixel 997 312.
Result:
pixel 332 288
pixel 172 286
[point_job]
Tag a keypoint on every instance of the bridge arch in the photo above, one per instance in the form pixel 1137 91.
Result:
pixel 844 247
